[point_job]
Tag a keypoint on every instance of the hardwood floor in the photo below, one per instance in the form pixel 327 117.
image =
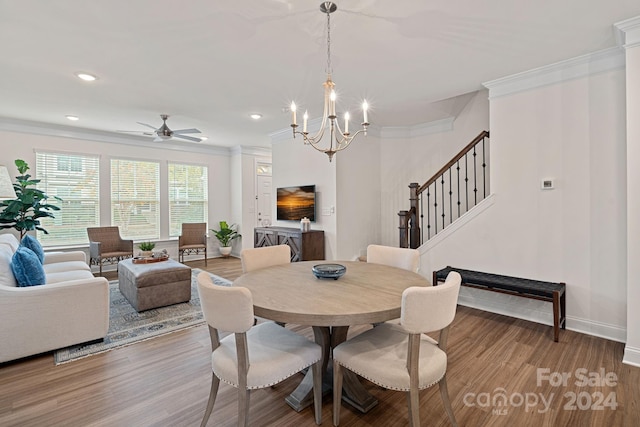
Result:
pixel 165 382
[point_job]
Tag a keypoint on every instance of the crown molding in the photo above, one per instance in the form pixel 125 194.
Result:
pixel 48 129
pixel 250 151
pixel 436 126
pixel 628 32
pixel 581 66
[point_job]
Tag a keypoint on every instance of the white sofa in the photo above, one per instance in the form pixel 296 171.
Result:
pixel 71 308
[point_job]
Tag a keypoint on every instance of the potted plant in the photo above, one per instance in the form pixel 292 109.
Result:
pixel 225 236
pixel 31 204
pixel 146 248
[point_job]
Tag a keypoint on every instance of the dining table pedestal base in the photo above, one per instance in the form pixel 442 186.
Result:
pixel 353 392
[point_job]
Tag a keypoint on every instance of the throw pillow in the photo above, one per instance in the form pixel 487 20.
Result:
pixel 32 243
pixel 6 274
pixel 27 268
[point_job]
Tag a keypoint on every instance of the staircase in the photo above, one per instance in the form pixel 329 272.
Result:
pixel 452 191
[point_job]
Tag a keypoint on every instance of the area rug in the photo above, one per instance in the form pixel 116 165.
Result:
pixel 127 326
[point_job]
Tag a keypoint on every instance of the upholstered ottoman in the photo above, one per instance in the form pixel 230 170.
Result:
pixel 154 285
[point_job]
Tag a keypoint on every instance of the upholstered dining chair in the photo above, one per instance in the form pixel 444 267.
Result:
pixel 407 259
pixel 193 240
pixel 267 256
pixel 403 359
pixel 106 245
pixel 252 357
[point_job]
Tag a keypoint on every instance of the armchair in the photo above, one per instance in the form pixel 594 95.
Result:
pixel 106 245
pixel 193 240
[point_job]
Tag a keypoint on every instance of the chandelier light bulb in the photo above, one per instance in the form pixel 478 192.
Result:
pixel 293 112
pixel 332 105
pixel 365 107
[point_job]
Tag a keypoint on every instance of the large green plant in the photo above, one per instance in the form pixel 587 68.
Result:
pixel 226 234
pixel 24 212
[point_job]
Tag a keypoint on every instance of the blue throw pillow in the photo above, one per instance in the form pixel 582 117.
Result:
pixel 27 268
pixel 32 243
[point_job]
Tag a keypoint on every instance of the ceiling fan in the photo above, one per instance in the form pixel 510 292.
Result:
pixel 163 133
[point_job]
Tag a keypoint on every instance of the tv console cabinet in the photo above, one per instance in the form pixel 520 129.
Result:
pixel 305 246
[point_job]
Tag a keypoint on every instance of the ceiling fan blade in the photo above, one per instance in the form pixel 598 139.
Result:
pixel 192 130
pixel 139 132
pixel 149 126
pixel 188 138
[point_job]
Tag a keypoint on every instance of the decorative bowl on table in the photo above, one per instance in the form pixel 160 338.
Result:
pixel 329 271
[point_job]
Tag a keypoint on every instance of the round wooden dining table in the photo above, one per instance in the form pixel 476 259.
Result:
pixel 367 293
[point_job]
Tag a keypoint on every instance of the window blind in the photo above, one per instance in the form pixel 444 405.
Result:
pixel 135 198
pixel 188 196
pixel 75 178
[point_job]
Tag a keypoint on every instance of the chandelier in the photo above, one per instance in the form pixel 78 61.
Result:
pixel 339 139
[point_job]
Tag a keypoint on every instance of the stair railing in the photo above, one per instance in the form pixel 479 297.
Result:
pixel 457 187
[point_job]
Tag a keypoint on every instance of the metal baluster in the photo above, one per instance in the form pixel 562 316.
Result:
pixel 466 181
pixel 435 208
pixel 443 204
pixel 475 178
pixel 484 172
pixel 450 199
pixel 428 219
pixel 458 180
pixel 421 201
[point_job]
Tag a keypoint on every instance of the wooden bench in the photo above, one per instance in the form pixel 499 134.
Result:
pixel 526 288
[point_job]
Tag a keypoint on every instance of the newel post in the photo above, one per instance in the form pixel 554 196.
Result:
pixel 403 217
pixel 414 232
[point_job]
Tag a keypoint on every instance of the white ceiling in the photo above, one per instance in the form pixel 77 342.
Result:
pixel 209 64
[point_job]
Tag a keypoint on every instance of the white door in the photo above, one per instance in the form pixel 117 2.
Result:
pixel 264 201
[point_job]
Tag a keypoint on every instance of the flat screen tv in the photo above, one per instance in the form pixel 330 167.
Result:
pixel 295 203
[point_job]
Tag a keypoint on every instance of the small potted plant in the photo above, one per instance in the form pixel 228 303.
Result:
pixel 146 248
pixel 225 236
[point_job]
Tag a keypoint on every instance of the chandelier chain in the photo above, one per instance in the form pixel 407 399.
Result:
pixel 329 43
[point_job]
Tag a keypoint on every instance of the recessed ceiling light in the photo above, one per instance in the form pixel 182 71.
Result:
pixel 72 118
pixel 86 77
pixel 203 138
pixel 255 116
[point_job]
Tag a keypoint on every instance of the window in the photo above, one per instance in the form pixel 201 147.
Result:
pixel 135 198
pixel 188 201
pixel 75 178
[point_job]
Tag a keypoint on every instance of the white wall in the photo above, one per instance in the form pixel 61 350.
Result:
pixel 574 132
pixel 297 164
pixel 358 204
pixel 415 158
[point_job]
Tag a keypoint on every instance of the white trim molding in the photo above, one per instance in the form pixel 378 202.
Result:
pixel 631 356
pixel 48 129
pixel 582 66
pixel 250 151
pixel 436 126
pixel 458 223
pixel 542 312
pixel 628 32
